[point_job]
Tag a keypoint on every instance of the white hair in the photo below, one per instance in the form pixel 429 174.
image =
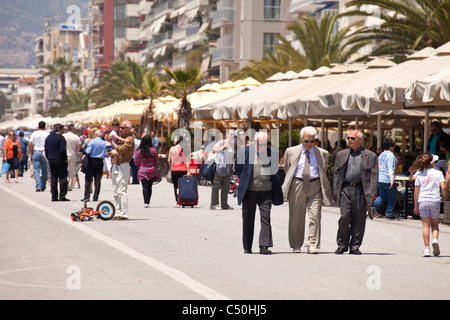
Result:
pixel 308 131
pixel 260 134
pixel 128 123
pixel 359 134
pixel 99 133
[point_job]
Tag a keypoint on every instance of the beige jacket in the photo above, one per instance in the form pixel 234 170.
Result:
pixel 291 157
pixel 125 149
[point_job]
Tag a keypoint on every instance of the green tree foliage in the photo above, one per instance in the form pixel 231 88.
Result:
pixel 321 45
pixel 182 84
pixel 407 26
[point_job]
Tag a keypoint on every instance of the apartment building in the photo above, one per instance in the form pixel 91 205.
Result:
pixel 174 33
pixel 70 42
pixel 115 31
pixel 20 86
pixel 247 29
pixel 220 35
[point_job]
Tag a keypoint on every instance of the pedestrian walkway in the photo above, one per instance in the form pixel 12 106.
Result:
pixel 205 247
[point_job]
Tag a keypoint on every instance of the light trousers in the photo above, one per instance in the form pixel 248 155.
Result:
pixel 71 167
pixel 120 185
pixel 299 201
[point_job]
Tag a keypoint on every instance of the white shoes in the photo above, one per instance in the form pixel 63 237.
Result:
pixel 436 250
pixel 435 246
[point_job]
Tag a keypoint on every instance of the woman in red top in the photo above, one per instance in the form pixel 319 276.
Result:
pixel 12 155
pixel 177 160
pixel 146 160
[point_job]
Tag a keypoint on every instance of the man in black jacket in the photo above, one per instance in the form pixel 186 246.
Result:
pixel 259 184
pixel 56 154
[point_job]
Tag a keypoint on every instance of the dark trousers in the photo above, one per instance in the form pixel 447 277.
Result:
pixel 134 172
pixel 264 201
pixel 95 172
pixel 58 172
pixel 352 222
pixel 147 189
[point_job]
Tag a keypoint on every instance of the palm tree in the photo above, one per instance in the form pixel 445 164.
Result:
pixel 151 88
pixel 320 46
pixel 407 26
pixel 184 82
pixel 75 100
pixel 59 68
pixel 112 83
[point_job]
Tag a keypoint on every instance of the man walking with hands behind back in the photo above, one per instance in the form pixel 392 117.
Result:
pixel 306 186
pixel 355 185
pixel 56 154
pixel 259 185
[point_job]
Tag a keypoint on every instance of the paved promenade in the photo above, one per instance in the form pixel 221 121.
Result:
pixel 168 253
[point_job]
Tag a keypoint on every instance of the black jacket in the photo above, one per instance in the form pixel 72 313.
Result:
pixel 55 147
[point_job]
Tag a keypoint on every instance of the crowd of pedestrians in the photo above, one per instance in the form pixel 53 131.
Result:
pixel 363 181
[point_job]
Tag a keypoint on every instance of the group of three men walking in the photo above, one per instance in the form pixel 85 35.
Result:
pixel 307 188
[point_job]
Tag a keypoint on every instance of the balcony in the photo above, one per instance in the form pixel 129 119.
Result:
pixel 223 53
pixel 222 17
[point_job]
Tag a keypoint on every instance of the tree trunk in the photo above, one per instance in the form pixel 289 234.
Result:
pixel 62 78
pixel 184 114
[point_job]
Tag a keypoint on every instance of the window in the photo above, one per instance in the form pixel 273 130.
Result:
pixel 269 42
pixel 272 9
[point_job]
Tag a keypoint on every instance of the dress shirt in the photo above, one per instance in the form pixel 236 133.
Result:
pixel 96 148
pixel 314 167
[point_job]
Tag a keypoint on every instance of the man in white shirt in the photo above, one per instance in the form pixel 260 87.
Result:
pixel 36 149
pixel 306 186
pixel 73 147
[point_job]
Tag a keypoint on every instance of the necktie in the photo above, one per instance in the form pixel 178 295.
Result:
pixel 306 172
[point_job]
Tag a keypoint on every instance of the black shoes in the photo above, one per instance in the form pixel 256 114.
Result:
pixel 342 250
pixel 264 250
pixel 61 199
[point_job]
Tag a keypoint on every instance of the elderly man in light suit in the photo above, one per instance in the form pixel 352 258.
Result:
pixel 306 186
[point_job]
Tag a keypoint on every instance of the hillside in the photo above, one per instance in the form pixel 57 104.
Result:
pixel 22 21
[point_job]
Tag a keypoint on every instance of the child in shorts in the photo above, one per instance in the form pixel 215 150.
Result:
pixel 427 199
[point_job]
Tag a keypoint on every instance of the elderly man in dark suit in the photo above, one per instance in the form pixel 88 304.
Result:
pixel 355 185
pixel 306 186
pixel 257 168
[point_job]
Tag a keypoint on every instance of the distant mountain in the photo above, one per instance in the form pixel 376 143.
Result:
pixel 22 21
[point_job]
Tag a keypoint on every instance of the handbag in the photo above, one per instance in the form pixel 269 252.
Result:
pixel 5 168
pixel 207 170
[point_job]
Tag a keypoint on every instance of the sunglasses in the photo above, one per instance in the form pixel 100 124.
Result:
pixel 351 138
pixel 308 141
pixel 122 127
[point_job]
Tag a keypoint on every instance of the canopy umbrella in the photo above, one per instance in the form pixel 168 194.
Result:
pixel 435 67
pixel 433 89
pixel 206 96
pixel 360 93
pixel 130 110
